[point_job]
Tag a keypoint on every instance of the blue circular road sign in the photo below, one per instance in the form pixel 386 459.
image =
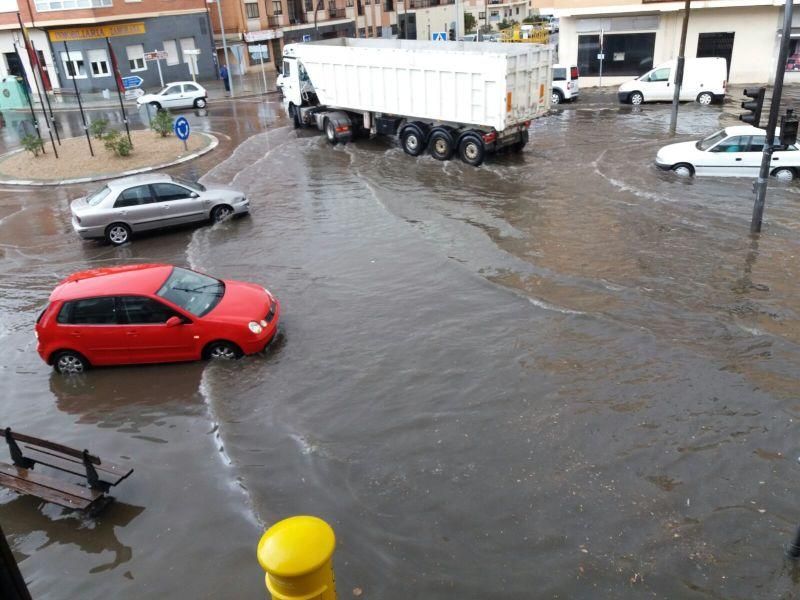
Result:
pixel 181 128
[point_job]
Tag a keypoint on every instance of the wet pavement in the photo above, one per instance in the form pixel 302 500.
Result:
pixel 564 374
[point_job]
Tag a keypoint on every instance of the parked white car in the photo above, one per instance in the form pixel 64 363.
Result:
pixel 731 152
pixel 704 81
pixel 179 94
pixel 565 84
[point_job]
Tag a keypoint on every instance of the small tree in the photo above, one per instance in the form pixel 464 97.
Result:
pixel 98 128
pixel 469 22
pixel 117 143
pixel 32 144
pixel 162 123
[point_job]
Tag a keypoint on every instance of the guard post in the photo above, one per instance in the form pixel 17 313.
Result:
pixel 297 555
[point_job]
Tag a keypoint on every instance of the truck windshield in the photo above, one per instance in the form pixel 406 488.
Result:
pixel 193 292
pixel 711 140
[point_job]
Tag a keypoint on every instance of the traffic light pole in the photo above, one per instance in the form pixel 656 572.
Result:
pixel 772 123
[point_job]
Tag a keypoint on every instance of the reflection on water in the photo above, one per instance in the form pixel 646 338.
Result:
pixel 32 525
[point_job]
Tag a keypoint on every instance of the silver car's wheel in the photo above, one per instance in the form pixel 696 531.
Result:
pixel 118 234
pixel 200 103
pixel 70 363
pixel 783 174
pixel 222 351
pixel 221 213
pixel 636 98
pixel 682 170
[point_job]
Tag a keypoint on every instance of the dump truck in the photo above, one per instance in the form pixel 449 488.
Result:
pixel 464 98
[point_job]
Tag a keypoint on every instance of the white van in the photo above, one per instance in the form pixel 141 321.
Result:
pixel 565 84
pixel 704 80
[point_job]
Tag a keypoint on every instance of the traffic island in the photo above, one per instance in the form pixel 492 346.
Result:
pixel 76 165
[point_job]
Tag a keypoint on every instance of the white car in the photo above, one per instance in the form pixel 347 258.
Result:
pixel 565 84
pixel 179 94
pixel 731 152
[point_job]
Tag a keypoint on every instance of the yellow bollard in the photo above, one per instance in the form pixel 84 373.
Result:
pixel 297 554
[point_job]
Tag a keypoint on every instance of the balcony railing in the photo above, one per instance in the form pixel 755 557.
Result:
pixel 336 13
pixel 428 3
pixel 275 20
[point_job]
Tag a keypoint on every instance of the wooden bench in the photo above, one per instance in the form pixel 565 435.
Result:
pixel 19 476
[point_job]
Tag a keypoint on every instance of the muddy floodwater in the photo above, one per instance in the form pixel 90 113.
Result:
pixel 563 374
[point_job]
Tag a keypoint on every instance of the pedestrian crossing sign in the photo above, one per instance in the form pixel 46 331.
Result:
pixel 439 36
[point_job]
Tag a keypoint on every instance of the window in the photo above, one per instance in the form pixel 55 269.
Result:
pixel 189 88
pixel 169 191
pixel 251 10
pixel 97 196
pixel 136 57
pixel 757 143
pixel 287 68
pixel 134 196
pixel 193 292
pixel 73 65
pixel 91 311
pixel 309 5
pixel 188 58
pixel 659 75
pixel 732 144
pixel 560 74
pixel 625 53
pixel 709 141
pixel 48 5
pixel 98 62
pixel 277 7
pixel 140 310
pixel 170 90
pixel 259 53
pixel 171 48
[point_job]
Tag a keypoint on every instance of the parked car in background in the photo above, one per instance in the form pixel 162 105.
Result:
pixel 180 94
pixel 731 152
pixel 705 80
pixel 565 84
pixel 152 313
pixel 146 202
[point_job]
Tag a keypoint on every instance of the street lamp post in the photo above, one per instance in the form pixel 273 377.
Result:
pixel 224 44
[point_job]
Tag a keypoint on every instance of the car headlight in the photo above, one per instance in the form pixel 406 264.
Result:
pixel 263 323
pixel 255 327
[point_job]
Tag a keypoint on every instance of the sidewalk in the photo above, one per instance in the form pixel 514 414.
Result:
pixel 250 84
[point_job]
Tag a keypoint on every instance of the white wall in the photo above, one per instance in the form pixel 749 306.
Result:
pixel 39 39
pixel 438 18
pixel 754 45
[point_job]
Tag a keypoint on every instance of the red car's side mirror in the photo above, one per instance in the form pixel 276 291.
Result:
pixel 173 322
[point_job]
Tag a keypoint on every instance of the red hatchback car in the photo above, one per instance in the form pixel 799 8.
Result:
pixel 151 314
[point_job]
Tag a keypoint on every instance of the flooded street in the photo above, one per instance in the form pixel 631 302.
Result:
pixel 563 374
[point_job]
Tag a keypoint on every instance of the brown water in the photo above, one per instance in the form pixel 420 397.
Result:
pixel 563 374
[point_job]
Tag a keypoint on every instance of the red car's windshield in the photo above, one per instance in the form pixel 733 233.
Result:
pixel 193 292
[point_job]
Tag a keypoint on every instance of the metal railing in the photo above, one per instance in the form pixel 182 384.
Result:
pixel 275 20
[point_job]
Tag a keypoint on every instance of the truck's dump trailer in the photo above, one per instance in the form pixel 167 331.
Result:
pixel 481 84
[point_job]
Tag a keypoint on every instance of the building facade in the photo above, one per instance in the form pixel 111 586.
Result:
pixel 626 38
pixel 69 37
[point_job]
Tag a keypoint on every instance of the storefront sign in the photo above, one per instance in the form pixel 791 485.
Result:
pixel 259 36
pixel 156 55
pixel 96 32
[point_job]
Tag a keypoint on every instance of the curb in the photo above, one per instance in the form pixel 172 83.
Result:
pixel 34 183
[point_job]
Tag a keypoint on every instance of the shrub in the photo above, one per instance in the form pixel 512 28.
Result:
pixel 32 144
pixel 98 128
pixel 162 123
pixel 117 143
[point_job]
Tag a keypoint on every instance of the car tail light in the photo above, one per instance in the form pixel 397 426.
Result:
pixel 527 124
pixel 573 73
pixel 488 138
pixel 342 128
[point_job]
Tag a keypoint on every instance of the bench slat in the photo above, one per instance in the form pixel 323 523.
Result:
pixel 108 472
pixel 46 488
pixel 21 437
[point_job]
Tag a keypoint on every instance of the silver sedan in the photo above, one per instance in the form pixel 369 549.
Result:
pixel 146 202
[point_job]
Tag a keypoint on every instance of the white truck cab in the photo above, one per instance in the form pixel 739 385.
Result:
pixel 704 80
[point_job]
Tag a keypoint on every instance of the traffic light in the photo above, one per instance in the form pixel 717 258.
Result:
pixel 451 35
pixel 753 106
pixel 789 125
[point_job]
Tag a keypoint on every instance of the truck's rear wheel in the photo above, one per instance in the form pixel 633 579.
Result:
pixel 330 131
pixel 471 149
pixel 441 144
pixel 412 140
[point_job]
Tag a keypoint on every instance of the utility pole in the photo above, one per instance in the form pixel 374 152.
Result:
pixel 224 45
pixel 774 108
pixel 676 94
